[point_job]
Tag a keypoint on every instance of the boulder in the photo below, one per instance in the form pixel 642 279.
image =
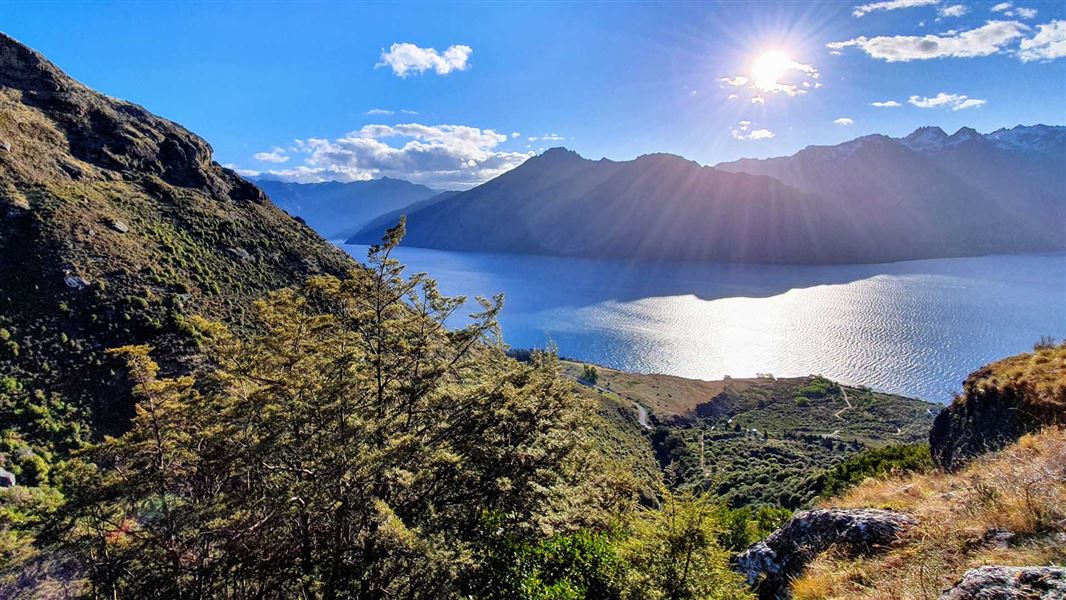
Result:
pixel 119 226
pixel 76 282
pixel 7 478
pixel 771 564
pixel 1010 583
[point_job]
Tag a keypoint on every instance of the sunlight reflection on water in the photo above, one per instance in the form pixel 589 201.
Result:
pixel 915 328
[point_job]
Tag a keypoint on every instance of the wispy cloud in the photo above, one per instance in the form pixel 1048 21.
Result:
pixel 745 131
pixel 988 39
pixel 547 137
pixel 945 100
pixel 865 9
pixel 886 104
pixel 379 111
pixel 405 59
pixel 804 75
pixel 844 121
pixel 1049 43
pixel 276 155
pixel 1008 9
pixel 442 156
pixel 954 10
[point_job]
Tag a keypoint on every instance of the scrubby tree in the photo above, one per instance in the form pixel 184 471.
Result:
pixel 673 553
pixel 589 374
pixel 354 447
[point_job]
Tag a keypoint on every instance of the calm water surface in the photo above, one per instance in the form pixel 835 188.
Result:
pixel 915 328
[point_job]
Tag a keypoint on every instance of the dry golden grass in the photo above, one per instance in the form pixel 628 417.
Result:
pixel 665 395
pixel 1020 491
pixel 1042 373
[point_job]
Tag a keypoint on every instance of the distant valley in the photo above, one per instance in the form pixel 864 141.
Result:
pixel 337 210
pixel 873 199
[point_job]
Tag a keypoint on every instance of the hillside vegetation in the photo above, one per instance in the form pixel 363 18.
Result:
pixel 1006 508
pixel 1001 402
pixel 761 441
pixel 115 227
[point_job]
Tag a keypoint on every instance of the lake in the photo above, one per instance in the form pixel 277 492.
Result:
pixel 915 328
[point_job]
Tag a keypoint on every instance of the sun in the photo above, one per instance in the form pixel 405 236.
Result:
pixel 768 68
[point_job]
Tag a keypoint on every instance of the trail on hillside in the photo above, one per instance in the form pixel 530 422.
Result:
pixel 846 401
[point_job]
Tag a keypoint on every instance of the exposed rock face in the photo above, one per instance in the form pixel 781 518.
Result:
pixel 1010 583
pixel 7 478
pixel 772 563
pixel 1000 403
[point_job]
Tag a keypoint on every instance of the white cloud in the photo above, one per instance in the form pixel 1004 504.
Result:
pixel 844 121
pixel 805 76
pixel 1009 10
pixel 988 39
pixel 889 5
pixel 443 156
pixel 743 131
pixel 405 59
pixel 547 137
pixel 886 104
pixel 515 134
pixel 379 111
pixel 954 10
pixel 945 100
pixel 276 155
pixel 1049 43
pixel 731 97
pixel 737 81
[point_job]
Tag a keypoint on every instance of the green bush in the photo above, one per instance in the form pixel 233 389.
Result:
pixel 878 462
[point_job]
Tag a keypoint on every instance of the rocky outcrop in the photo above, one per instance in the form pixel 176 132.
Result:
pixel 771 564
pixel 1000 403
pixel 1010 583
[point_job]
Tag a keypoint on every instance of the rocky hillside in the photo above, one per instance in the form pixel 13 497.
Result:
pixel 991 526
pixel 115 226
pixel 1005 509
pixel 1000 403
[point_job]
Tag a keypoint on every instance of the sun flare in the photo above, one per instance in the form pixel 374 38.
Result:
pixel 768 68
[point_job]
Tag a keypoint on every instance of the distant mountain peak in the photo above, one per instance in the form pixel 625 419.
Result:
pixel 559 152
pixel 925 138
pixel 1029 138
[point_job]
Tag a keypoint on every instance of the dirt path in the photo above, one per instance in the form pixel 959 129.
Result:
pixel 846 401
pixel 642 413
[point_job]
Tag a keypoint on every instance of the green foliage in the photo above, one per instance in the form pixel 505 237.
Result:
pixel 350 450
pixel 589 374
pixel 745 526
pixel 673 553
pixel 877 462
pixel 818 387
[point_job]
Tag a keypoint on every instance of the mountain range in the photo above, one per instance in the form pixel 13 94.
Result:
pixel 337 209
pixel 872 199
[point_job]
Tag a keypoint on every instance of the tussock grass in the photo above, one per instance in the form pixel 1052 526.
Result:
pixel 1006 508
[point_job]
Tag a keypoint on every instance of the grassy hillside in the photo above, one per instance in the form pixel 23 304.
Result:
pixel 761 441
pixel 115 226
pixel 1006 508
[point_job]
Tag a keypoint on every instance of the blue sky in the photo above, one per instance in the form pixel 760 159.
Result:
pixel 296 83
